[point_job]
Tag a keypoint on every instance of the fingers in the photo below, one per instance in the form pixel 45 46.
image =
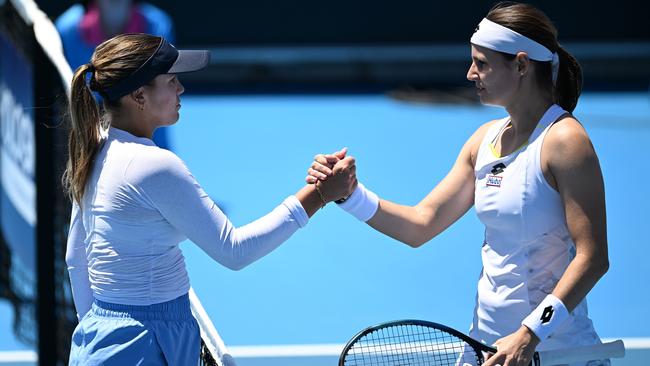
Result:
pixel 327 160
pixel 346 163
pixel 495 359
pixel 320 171
pixel 340 183
pixel 322 166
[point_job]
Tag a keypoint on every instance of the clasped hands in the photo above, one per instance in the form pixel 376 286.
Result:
pixel 334 175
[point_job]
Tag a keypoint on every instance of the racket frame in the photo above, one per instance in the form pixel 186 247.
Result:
pixel 477 346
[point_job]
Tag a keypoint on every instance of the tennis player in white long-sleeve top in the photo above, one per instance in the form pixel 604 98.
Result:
pixel 133 203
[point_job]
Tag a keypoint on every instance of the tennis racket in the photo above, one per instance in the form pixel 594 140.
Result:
pixel 213 350
pixel 423 343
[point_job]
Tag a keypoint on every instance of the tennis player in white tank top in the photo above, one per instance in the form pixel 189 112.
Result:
pixel 536 184
pixel 527 245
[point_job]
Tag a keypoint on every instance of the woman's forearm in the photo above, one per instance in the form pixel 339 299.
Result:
pixel 403 223
pixel 580 277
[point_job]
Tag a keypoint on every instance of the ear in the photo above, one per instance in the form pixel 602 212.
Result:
pixel 522 62
pixel 137 96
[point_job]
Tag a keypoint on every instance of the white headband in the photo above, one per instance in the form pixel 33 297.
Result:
pixel 499 38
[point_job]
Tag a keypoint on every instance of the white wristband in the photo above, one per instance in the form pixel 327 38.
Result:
pixel 361 204
pixel 547 317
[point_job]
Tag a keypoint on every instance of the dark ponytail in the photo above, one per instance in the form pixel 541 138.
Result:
pixel 569 81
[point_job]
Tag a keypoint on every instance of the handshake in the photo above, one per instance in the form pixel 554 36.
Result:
pixel 334 176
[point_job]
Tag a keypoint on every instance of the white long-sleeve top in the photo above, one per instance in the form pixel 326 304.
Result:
pixel 140 203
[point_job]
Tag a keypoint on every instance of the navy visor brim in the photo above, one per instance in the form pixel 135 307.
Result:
pixel 166 60
pixel 190 60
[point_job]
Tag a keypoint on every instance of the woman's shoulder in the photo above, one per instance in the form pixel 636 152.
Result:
pixel 470 150
pixel 485 127
pixel 567 142
pixel 480 133
pixel 567 131
pixel 567 126
pixel 154 162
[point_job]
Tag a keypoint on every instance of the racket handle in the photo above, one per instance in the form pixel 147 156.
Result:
pixel 613 349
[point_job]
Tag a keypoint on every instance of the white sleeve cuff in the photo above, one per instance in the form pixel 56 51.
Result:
pixel 297 211
pixel 362 203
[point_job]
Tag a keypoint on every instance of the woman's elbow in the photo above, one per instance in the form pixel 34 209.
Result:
pixel 598 264
pixel 420 236
pixel 422 229
pixel 601 261
pixel 235 265
pixel 416 241
pixel 75 260
pixel 602 266
pixel 229 252
pixel 237 261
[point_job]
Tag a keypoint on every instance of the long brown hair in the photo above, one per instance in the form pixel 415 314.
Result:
pixel 112 61
pixel 531 22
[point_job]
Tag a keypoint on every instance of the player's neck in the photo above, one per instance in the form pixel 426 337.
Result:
pixel 526 113
pixel 134 126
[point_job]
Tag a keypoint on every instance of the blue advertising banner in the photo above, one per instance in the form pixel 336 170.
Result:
pixel 17 165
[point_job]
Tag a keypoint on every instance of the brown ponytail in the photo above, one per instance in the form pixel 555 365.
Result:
pixel 85 134
pixel 569 81
pixel 112 61
pixel 531 22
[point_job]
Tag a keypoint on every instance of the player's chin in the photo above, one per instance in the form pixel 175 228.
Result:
pixel 172 119
pixel 486 99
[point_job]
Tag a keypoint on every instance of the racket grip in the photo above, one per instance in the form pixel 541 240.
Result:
pixel 613 349
pixel 228 360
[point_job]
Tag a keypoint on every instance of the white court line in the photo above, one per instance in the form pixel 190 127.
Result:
pixel 632 343
pixel 286 350
pixel 292 350
pixel 18 356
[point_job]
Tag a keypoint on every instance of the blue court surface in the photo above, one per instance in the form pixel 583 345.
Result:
pixel 337 276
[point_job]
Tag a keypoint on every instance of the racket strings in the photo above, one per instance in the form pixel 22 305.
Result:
pixel 207 358
pixel 412 345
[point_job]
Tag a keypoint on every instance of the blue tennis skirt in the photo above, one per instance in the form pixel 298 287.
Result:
pixel 158 334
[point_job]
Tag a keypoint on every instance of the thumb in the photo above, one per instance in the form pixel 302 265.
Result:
pixel 341 153
pixel 494 359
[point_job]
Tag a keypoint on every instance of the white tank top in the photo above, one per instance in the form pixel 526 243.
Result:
pixel 527 245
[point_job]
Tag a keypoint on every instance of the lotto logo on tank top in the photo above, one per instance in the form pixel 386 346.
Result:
pixel 493 181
